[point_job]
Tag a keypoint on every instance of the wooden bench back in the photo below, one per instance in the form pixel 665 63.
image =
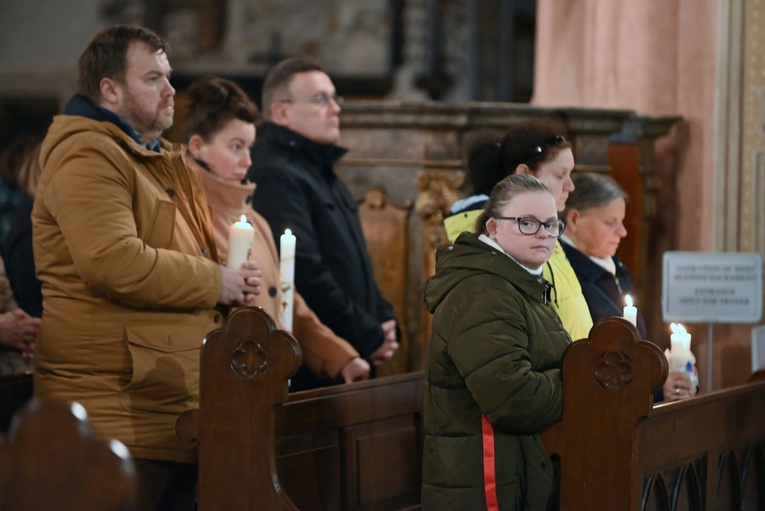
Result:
pixel 617 451
pixel 350 447
pixel 386 232
pixel 243 376
pixel 51 461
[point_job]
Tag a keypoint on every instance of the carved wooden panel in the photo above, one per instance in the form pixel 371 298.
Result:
pixel 729 478
pixel 311 470
pixel 244 369
pixel 353 447
pixel 438 190
pixel 386 231
pixel 382 464
pixel 616 451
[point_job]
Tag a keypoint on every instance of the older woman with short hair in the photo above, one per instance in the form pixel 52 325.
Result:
pixel 594 217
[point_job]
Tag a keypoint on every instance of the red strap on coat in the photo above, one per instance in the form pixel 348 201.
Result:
pixel 489 473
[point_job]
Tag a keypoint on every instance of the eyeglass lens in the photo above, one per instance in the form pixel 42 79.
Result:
pixel 532 226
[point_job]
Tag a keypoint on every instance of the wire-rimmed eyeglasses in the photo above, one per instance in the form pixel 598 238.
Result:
pixel 530 225
pixel 319 99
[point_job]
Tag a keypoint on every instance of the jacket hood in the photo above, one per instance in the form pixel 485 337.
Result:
pixel 65 128
pixel 470 256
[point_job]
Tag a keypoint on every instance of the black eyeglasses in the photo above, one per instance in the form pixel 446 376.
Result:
pixel 530 225
pixel 319 99
pixel 547 144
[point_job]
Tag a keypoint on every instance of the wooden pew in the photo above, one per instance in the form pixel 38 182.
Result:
pixel 50 460
pixel 359 446
pixel 347 447
pixel 15 392
pixel 617 451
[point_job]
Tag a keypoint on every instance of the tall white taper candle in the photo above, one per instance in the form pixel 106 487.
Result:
pixel 287 243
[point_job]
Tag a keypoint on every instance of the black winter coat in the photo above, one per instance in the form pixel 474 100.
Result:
pixel 603 291
pixel 297 189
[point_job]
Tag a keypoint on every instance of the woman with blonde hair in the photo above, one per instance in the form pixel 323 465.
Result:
pixel 594 218
pixel 492 369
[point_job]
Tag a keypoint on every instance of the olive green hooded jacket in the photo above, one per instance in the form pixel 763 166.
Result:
pixel 492 382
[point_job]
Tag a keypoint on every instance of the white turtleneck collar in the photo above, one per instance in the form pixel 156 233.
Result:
pixel 494 244
pixel 607 263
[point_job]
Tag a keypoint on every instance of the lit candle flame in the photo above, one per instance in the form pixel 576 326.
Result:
pixel 677 328
pixel 628 300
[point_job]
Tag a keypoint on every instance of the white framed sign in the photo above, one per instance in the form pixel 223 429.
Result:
pixel 712 287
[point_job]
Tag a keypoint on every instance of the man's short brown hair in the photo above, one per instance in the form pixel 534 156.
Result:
pixel 106 56
pixel 279 77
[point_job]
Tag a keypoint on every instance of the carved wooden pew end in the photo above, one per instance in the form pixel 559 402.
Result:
pixel 50 460
pixel 244 371
pixel 608 384
pixel 616 451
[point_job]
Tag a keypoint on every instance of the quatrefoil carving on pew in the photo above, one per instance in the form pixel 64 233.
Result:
pixel 613 371
pixel 249 359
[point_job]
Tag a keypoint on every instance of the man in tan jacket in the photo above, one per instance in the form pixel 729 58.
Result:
pixel 125 252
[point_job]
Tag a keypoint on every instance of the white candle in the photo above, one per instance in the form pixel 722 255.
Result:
pixel 287 243
pixel 680 340
pixel 630 311
pixel 240 238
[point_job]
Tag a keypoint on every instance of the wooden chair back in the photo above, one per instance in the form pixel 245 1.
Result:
pixel 386 232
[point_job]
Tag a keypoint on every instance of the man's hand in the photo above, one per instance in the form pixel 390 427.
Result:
pixel 240 286
pixel 389 344
pixel 18 330
pixel 355 370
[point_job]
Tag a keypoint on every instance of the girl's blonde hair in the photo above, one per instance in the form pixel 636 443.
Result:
pixel 512 186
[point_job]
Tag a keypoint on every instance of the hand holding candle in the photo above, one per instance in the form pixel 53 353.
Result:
pixel 680 356
pixel 630 311
pixel 287 243
pixel 681 345
pixel 240 238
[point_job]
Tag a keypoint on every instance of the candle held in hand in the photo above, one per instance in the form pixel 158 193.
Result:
pixel 240 238
pixel 630 311
pixel 680 340
pixel 287 243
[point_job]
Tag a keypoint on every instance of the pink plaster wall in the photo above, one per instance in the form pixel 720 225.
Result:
pixel 657 57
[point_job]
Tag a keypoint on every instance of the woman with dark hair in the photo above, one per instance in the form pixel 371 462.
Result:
pixel 538 148
pixel 594 217
pixel 220 131
pixel 492 368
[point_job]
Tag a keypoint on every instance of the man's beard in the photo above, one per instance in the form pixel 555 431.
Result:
pixel 144 122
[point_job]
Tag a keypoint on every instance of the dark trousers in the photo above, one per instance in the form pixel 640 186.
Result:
pixel 166 485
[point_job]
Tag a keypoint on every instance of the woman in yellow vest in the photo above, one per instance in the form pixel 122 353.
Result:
pixel 538 148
